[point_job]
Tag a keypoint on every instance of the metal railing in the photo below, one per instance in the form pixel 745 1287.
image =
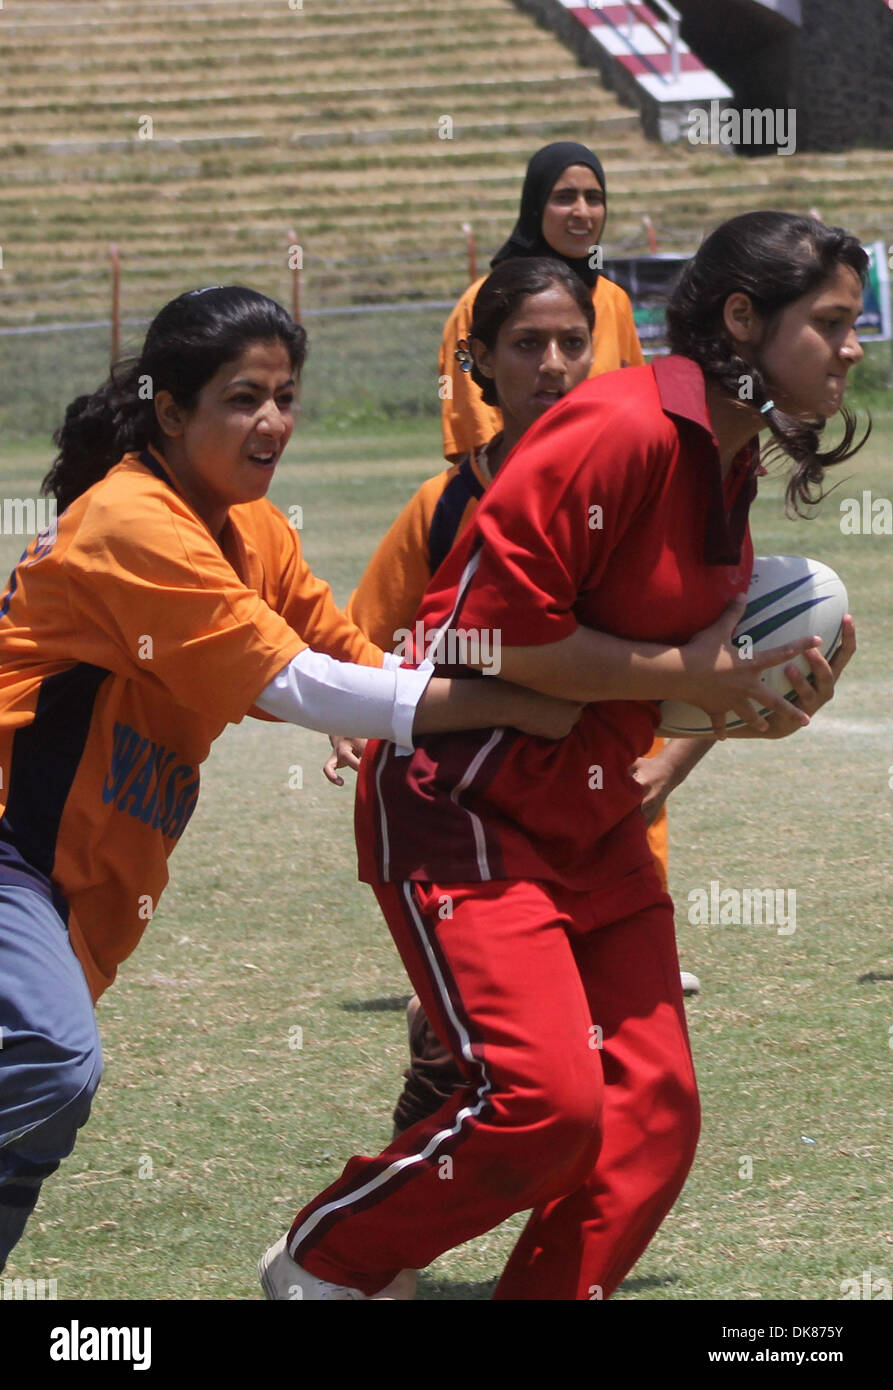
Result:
pixel 635 16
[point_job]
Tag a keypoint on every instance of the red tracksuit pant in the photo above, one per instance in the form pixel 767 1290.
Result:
pixel 581 1100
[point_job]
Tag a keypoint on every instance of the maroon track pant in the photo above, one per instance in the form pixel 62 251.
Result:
pixel 580 1099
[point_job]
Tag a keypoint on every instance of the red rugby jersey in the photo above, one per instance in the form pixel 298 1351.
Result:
pixel 611 512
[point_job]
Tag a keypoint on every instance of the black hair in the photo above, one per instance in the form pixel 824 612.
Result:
pixel 187 342
pixel 502 293
pixel 774 258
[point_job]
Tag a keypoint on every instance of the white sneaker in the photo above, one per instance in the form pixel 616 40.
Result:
pixel 690 983
pixel 283 1279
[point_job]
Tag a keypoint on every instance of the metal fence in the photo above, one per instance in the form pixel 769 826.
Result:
pixel 365 362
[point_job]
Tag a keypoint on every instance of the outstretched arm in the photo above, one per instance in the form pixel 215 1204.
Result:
pixel 396 702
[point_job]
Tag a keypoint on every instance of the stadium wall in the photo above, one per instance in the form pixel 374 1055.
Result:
pixel 842 74
pixel 835 68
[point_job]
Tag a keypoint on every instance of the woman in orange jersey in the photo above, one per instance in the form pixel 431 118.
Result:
pixel 563 212
pixel 170 599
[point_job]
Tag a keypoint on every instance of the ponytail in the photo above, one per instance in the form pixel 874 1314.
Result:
pixel 97 431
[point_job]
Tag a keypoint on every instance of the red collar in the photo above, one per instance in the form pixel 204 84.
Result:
pixel 683 394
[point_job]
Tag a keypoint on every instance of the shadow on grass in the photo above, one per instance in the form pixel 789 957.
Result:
pixel 648 1281
pixel 448 1290
pixel 391 1004
pixel 874 977
pixel 454 1290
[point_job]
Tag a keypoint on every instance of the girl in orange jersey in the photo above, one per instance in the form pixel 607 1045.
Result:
pixel 562 215
pixel 170 599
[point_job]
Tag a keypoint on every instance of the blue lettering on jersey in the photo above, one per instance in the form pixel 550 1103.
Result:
pixel 146 780
pixel 163 760
pixel 125 756
pixel 11 588
pixel 43 543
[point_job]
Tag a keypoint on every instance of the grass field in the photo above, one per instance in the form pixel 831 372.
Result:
pixel 210 1129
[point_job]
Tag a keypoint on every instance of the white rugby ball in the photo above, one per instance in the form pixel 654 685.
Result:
pixel 789 597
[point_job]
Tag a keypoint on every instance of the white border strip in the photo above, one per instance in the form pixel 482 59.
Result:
pixel 442 1135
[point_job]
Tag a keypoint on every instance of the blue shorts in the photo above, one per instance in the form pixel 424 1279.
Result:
pixel 50 1054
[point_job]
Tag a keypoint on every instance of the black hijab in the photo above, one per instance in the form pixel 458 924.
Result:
pixel 543 172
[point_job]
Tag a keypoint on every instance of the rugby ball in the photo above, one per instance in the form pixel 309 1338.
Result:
pixel 789 597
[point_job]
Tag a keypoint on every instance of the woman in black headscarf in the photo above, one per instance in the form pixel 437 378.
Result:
pixel 563 211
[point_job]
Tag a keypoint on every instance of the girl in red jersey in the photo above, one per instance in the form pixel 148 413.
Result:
pixel 170 599
pixel 531 332
pixel 515 877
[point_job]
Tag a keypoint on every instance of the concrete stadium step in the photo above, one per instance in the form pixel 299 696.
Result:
pixel 29 179
pixel 610 124
pixel 393 186
pixel 299 183
pixel 627 157
pixel 196 31
pixel 69 15
pixel 326 266
pixel 253 53
pixel 325 97
pixel 64 87
pixel 344 148
pixel 484 89
pixel 60 12
pixel 266 236
pixel 400 232
pixel 193 63
pixel 38 82
pixel 355 150
pixel 360 151
pixel 282 119
pixel 393 257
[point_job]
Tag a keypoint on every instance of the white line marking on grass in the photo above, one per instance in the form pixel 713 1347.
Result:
pixel 865 727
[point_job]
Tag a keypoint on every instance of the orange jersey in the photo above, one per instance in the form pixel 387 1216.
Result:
pixel 387 598
pixel 127 642
pixel 467 421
